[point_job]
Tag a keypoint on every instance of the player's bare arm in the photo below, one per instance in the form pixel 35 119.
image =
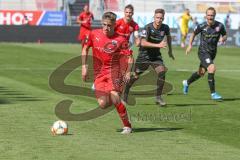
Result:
pixel 84 62
pixel 136 38
pixel 189 48
pixel 145 43
pixel 169 42
pixel 223 39
pixel 128 71
pixel 79 21
pixel 191 18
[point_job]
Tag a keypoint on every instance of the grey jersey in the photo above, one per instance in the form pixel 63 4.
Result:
pixel 154 36
pixel 209 37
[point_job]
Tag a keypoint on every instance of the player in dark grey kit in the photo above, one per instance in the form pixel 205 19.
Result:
pixel 149 53
pixel 212 32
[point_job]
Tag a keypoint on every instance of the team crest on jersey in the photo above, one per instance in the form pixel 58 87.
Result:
pixel 114 42
pixel 97 39
pixel 121 27
pixel 130 28
pixel 217 29
pixel 110 47
pixel 162 33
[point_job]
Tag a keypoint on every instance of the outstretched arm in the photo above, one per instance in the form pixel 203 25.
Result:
pixel 169 42
pixel 189 48
pixel 80 20
pixel 136 38
pixel 145 43
pixel 129 67
pixel 84 62
pixel 223 39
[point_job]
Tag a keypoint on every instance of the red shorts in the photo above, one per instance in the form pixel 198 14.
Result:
pixel 84 32
pixel 105 83
pixel 111 78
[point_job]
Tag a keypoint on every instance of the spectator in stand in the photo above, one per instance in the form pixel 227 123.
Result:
pixel 227 22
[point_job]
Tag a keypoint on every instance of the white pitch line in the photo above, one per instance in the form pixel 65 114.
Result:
pixel 43 69
pixel 35 69
pixel 220 70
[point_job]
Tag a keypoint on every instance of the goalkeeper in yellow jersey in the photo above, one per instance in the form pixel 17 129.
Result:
pixel 184 26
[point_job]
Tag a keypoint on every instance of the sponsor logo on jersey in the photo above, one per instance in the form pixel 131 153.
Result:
pixel 114 42
pixel 217 29
pixel 162 33
pixel 97 39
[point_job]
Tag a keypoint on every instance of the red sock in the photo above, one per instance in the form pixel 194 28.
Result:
pixel 123 114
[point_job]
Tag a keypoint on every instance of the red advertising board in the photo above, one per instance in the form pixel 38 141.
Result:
pixel 50 18
pixel 9 17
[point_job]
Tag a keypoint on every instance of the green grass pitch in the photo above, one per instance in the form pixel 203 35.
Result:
pixel 192 127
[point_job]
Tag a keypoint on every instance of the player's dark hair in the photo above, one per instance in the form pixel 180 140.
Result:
pixel 86 5
pixel 129 6
pixel 109 15
pixel 212 9
pixel 159 10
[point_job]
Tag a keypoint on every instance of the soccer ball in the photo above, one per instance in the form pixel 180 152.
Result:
pixel 59 128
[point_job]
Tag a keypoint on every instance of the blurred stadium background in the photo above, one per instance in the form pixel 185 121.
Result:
pixel 55 20
pixel 192 127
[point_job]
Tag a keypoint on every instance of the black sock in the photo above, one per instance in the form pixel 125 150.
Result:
pixel 160 83
pixel 195 76
pixel 127 87
pixel 211 82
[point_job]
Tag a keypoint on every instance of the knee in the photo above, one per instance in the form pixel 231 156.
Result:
pixel 162 70
pixel 201 72
pixel 135 76
pixel 165 69
pixel 211 69
pixel 102 104
pixel 115 98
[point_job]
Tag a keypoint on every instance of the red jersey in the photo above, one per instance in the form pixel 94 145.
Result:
pixel 86 19
pixel 107 51
pixel 126 29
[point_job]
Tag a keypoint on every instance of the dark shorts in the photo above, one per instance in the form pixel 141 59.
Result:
pixel 206 60
pixel 142 63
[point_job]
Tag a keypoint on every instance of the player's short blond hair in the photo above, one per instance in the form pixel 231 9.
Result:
pixel 109 15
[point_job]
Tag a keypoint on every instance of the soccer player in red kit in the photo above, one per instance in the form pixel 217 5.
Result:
pixel 108 48
pixel 84 19
pixel 127 28
pixel 126 25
